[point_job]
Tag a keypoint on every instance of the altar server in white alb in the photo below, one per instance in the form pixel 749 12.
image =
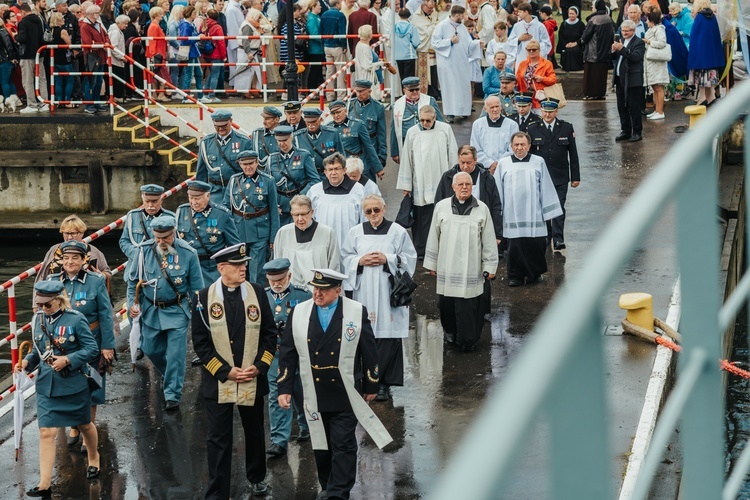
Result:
pixel 453 46
pixel 430 149
pixel 330 340
pixel 526 29
pixel 307 243
pixel 462 251
pixel 490 134
pixel 373 251
pixel 529 199
pixel 337 200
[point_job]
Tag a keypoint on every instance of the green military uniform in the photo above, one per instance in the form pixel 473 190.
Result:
pixel 321 144
pixel 137 226
pixel 372 114
pixel 356 141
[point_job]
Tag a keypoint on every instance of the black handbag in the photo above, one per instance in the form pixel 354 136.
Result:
pixel 405 217
pixel 402 286
pixel 92 376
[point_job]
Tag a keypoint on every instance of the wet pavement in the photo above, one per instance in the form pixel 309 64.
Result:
pixel 149 454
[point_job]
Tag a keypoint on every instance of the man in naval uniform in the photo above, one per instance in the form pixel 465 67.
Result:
pixel 293 171
pixel 206 226
pixel 555 141
pixel 491 134
pixel 330 340
pixel 356 139
pixel 372 114
pixel 337 200
pixel 283 297
pixel 264 142
pixel 293 115
pixel 217 155
pixel 251 196
pixel 523 115
pixel 318 140
pixel 137 226
pixel 507 93
pixel 169 273
pixel 406 113
pixel 235 338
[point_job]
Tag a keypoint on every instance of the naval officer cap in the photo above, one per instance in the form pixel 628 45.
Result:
pixel 277 268
pixel 270 112
pixel 152 190
pixel 336 104
pixel 76 247
pixel 550 104
pixel 292 106
pixel 236 254
pixel 362 84
pixel 198 187
pixel 221 115
pixel 410 82
pixel 508 76
pixel 48 290
pixel 312 113
pixel 327 278
pixel 523 98
pixel 283 131
pixel 163 225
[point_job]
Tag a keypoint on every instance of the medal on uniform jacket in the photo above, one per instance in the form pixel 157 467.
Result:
pixel 347 132
pixel 213 239
pixel 178 281
pixel 235 147
pixel 60 332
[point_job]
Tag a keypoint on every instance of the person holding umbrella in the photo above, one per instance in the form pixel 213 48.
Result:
pixel 63 346
pixel 88 295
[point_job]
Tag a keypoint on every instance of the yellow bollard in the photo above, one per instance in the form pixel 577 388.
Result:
pixel 640 310
pixel 696 112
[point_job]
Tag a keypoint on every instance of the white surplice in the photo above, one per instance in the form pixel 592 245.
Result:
pixel 340 212
pixel 528 195
pixel 492 143
pixel 426 155
pixel 537 31
pixel 371 287
pixel 454 70
pixel 322 252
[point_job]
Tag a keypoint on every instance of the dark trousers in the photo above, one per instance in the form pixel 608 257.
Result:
pixel 433 88
pixel 406 68
pixel 219 443
pixel 315 78
pixel 337 466
pixel 556 226
pixel 526 257
pixel 118 86
pixel 390 361
pixel 421 228
pixel 462 317
pixel 629 105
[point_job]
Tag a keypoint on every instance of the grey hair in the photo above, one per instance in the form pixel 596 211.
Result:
pixel 628 24
pixel 301 200
pixel 638 8
pixel 428 110
pixel 334 158
pixel 122 18
pixel 364 3
pixel 354 163
pixel 460 174
pixel 375 197
pixel 491 96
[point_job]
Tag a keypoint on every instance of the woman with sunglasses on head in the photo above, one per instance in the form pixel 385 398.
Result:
pixel 372 252
pixel 88 294
pixel 63 345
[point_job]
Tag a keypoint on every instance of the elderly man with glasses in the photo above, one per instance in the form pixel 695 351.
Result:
pixel 405 113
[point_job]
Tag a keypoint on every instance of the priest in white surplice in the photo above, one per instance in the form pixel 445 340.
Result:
pixel 490 134
pixel 373 251
pixel 430 149
pixel 307 243
pixel 529 199
pixel 337 200
pixel 452 44
pixel 462 251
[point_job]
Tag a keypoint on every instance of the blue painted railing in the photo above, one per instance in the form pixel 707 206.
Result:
pixel 560 372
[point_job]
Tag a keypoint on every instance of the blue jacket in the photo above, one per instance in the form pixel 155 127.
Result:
pixel 491 81
pixel 135 230
pixel 333 22
pixel 188 29
pixel 212 166
pixel 293 173
pixel 216 228
pixel 678 65
pixel 684 24
pixel 315 47
pixel 705 39
pixel 320 145
pixel 372 114
pixel 253 196
pixel 407 41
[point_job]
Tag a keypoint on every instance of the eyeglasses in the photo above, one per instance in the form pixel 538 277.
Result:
pixel 371 211
pixel 428 120
pixel 72 234
pixel 45 305
pixel 412 90
pixel 300 214
pixel 532 50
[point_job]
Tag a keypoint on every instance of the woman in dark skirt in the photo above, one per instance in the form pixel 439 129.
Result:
pixel 88 294
pixel 63 345
pixel 571 31
pixel 597 42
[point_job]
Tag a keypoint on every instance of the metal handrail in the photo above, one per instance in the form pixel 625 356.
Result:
pixel 561 339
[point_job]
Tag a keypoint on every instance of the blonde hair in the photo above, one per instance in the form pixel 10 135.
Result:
pixel 176 13
pixel 365 32
pixel 55 19
pixel 533 44
pixel 699 5
pixel 155 11
pixel 72 224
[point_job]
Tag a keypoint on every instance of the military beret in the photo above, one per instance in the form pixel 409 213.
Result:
pixel 221 115
pixel 270 112
pixel 293 106
pixel 247 153
pixel 48 290
pixel 283 130
pixel 163 225
pixel 198 186
pixel 336 104
pixel 550 104
pixel 312 113
pixel 410 82
pixel 236 254
pixel 152 189
pixel 523 98
pixel 74 246
pixel 277 267
pixel 326 278
pixel 508 76
pixel 362 84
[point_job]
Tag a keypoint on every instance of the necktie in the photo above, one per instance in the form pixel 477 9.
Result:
pixel 550 128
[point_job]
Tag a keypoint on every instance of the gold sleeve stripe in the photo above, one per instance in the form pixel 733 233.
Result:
pixel 213 366
pixel 283 376
pixel 267 358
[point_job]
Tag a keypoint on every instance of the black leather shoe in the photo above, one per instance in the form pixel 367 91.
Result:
pixel 138 354
pixel 74 440
pixel 172 405
pixel 469 348
pixel 558 245
pixel 635 138
pixel 303 436
pixel 622 137
pixel 384 393
pixel 260 489
pixel 275 450
pixel 92 472
pixel 36 492
pixel 515 282
pixel 196 361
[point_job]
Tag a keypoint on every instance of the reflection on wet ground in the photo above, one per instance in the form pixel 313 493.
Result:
pixel 149 454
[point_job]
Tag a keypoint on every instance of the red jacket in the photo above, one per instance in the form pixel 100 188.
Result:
pixel 551 26
pixel 543 69
pixel 91 35
pixel 220 46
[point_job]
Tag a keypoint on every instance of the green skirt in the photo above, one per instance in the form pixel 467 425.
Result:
pixel 64 411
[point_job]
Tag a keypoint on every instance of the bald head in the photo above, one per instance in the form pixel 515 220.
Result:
pixel 492 107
